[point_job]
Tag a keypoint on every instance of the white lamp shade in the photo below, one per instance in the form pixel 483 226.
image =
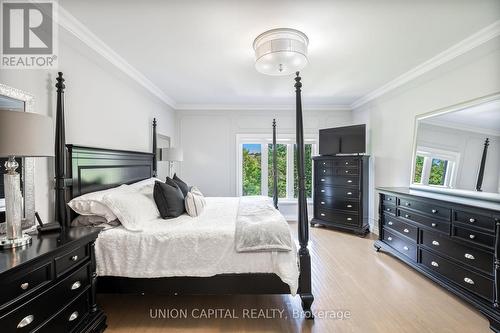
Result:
pixel 25 134
pixel 171 154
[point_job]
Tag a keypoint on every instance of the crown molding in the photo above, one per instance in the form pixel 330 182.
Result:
pixel 239 107
pixel 81 32
pixel 482 36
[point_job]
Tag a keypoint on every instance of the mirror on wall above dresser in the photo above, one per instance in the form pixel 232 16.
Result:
pixel 457 150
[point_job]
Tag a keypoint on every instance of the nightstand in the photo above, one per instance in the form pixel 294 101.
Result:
pixel 49 286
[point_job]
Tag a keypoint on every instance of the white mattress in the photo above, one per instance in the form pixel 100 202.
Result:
pixel 186 246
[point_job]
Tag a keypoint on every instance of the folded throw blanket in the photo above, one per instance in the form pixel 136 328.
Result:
pixel 261 227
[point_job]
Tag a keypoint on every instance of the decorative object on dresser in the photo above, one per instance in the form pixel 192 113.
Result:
pixel 50 286
pixel 341 180
pixel 454 241
pixel 341 192
pixel 22 134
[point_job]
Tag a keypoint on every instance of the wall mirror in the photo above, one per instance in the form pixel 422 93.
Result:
pixel 13 99
pixel 457 150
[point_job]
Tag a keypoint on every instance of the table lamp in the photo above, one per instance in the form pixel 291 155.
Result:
pixel 22 134
pixel 171 155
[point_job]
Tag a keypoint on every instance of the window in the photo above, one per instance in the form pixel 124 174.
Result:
pixel 435 167
pixel 255 165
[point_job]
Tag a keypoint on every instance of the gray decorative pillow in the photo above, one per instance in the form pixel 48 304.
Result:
pixel 195 202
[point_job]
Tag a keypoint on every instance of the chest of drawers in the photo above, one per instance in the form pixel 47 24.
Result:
pixel 341 192
pixel 453 241
pixel 49 286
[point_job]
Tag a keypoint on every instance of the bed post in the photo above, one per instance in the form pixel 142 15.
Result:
pixel 305 288
pixel 155 158
pixel 275 168
pixel 60 156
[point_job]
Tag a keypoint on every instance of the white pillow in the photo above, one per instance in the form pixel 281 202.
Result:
pixel 92 203
pixel 195 202
pixel 143 184
pixel 132 208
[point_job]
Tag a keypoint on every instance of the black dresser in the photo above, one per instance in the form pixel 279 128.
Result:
pixel 454 241
pixel 341 192
pixel 49 286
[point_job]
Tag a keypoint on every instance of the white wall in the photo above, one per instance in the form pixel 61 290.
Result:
pixel 104 108
pixel 208 139
pixel 391 117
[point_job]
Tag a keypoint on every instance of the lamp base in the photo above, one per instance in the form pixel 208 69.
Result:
pixel 6 243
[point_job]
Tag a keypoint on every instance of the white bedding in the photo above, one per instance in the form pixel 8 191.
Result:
pixel 189 246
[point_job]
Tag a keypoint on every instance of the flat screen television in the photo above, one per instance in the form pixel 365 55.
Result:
pixel 342 140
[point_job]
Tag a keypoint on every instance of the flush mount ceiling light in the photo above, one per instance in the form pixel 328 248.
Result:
pixel 280 51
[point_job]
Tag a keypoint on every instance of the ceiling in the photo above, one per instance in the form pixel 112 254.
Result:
pixel 199 53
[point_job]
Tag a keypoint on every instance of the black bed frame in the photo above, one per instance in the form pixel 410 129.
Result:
pixel 80 170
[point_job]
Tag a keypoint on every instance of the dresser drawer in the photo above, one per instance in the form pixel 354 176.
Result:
pixel 389 209
pixel 337 217
pixel 33 313
pixel 324 164
pixel 337 203
pixel 401 227
pixel 345 171
pixel 435 224
pixel 467 279
pixel 338 180
pixel 323 171
pixel 406 247
pixel 426 208
pixel 70 260
pixel 69 317
pixel 339 192
pixel 24 282
pixel 346 162
pixel 468 255
pixel 474 236
pixel 474 220
pixel 388 198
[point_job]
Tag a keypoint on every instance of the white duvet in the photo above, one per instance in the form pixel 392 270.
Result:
pixel 189 246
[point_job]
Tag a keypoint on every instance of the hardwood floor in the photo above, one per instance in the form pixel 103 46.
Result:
pixel 349 277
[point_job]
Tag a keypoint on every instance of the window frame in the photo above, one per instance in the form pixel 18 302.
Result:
pixel 264 140
pixel 430 154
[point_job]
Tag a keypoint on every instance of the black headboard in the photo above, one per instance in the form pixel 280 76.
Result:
pixel 95 169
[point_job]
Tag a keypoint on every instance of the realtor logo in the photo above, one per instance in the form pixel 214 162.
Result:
pixel 28 34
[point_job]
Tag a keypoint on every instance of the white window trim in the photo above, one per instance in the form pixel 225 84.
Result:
pixel 452 157
pixel 264 140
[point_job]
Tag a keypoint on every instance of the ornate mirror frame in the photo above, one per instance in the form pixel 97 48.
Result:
pixel 457 192
pixel 27 172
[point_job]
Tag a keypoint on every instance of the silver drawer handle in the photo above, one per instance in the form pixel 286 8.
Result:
pixel 405 248
pixel 322 214
pixel 472 236
pixel 349 181
pixel 435 264
pixel 349 219
pixel 349 206
pixel 389 199
pixel 324 163
pixel 347 171
pixel 407 203
pixel 25 285
pixel 322 202
pixel 434 211
pixel 469 256
pixel 322 191
pixel 388 209
pixel 76 285
pixel 389 238
pixel 346 163
pixel 389 223
pixel 322 179
pixel 435 243
pixel 324 171
pixel 406 231
pixel 349 193
pixel 469 281
pixel 73 316
pixel 74 258
pixel 472 220
pixel 26 321
pixel 407 216
pixel 433 224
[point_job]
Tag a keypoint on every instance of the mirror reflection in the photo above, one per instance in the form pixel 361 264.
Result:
pixel 460 149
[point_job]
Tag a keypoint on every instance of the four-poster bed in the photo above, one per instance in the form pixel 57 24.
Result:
pixel 81 170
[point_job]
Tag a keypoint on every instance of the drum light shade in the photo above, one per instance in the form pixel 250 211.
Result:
pixel 280 51
pixel 25 134
pixel 171 154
